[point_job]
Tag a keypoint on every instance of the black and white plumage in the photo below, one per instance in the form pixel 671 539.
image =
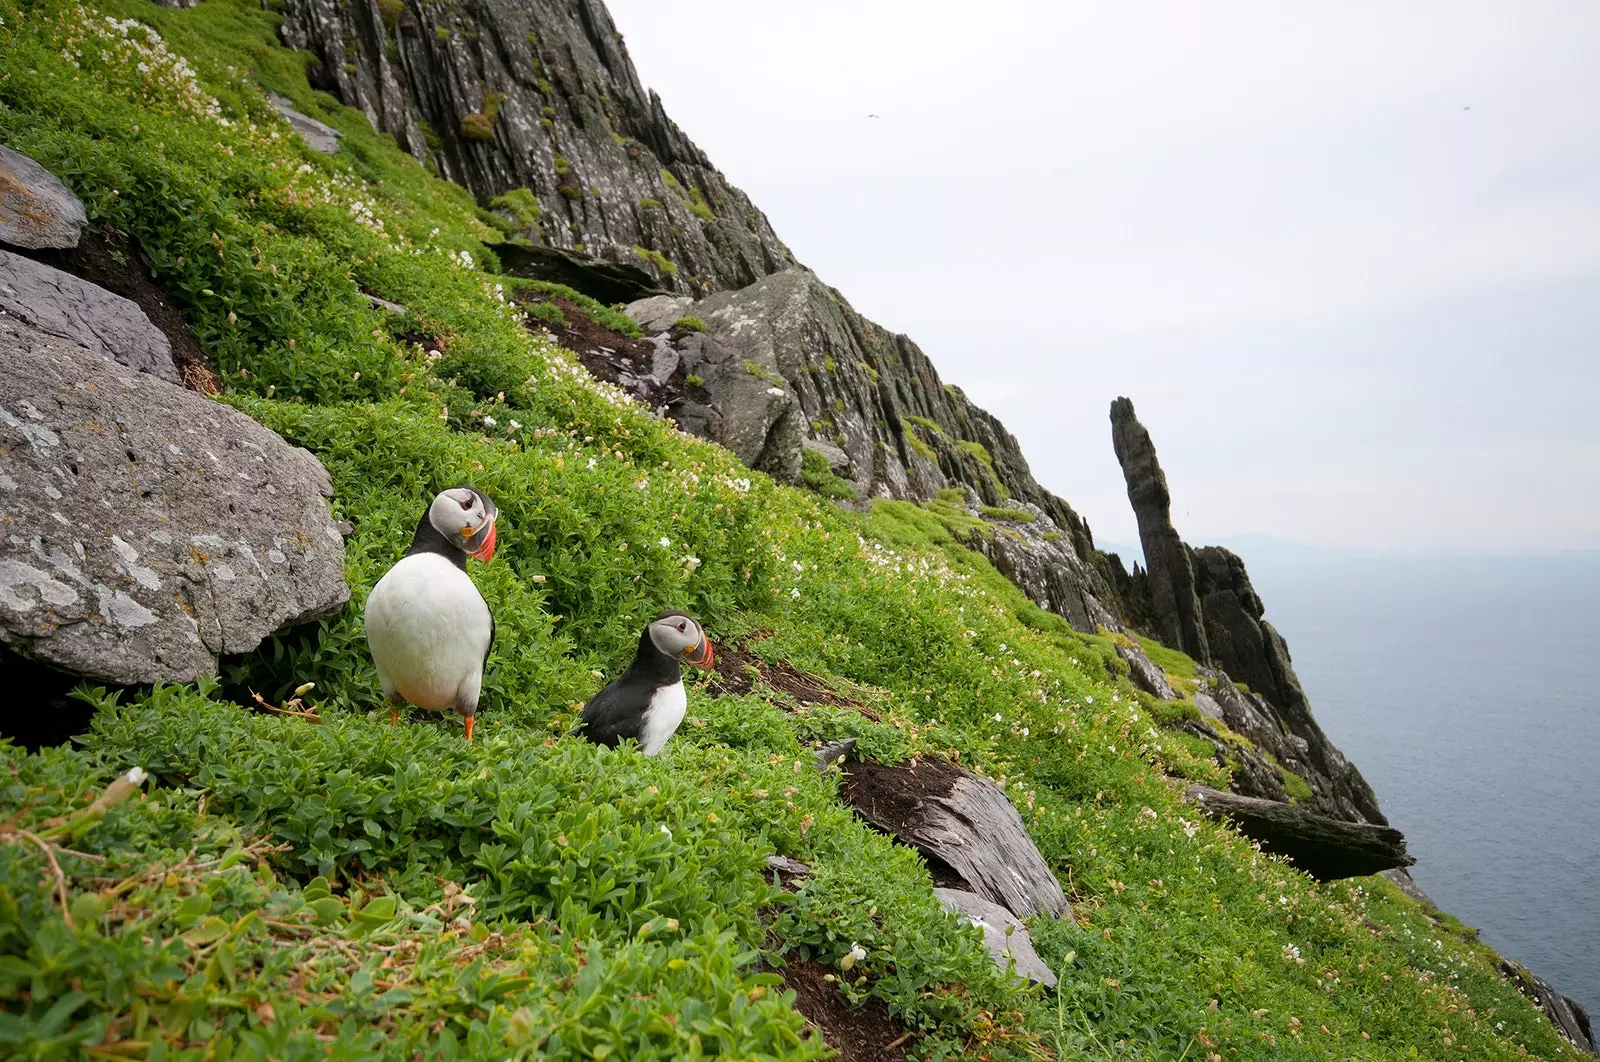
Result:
pixel 648 701
pixel 428 627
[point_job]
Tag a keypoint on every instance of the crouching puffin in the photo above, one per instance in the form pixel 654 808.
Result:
pixel 427 626
pixel 647 703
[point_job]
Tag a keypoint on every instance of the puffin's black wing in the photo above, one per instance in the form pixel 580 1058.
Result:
pixel 614 713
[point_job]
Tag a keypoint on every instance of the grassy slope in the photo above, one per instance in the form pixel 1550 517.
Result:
pixel 356 890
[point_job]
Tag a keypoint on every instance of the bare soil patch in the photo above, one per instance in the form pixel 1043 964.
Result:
pixel 733 676
pixel 868 1033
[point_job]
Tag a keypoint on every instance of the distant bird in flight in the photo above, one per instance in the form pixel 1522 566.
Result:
pixel 872 116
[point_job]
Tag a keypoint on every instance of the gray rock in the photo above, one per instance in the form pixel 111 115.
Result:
pixel 791 869
pixel 1208 705
pixel 87 314
pixel 564 88
pixel 838 460
pixel 317 135
pixel 1145 675
pixel 1171 576
pixel 36 210
pixel 740 403
pixel 830 754
pixel 1569 1016
pixel 1006 938
pixel 385 304
pixel 145 529
pixel 659 312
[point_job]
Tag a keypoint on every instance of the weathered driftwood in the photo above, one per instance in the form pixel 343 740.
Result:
pixel 1323 847
pixel 964 821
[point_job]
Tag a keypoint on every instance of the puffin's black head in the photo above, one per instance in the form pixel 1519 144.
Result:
pixel 678 637
pixel 465 517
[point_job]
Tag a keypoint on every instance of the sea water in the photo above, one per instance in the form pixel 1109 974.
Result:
pixel 1467 691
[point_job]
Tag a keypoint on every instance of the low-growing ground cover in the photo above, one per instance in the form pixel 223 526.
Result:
pixel 352 889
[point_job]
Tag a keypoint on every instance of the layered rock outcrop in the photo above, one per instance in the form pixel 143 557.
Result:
pixel 1204 598
pixel 540 95
pixel 786 364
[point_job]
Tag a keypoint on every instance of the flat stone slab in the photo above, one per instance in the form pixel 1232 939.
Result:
pixel 145 529
pixel 1006 938
pixel 317 135
pixel 37 211
pixel 90 316
pixel 964 821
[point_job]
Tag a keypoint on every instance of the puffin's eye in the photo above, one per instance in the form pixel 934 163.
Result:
pixel 682 628
pixel 467 504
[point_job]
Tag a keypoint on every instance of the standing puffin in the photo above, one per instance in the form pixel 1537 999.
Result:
pixel 647 703
pixel 427 626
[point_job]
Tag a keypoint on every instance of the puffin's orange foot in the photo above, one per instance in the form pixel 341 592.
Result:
pixel 394 717
pixel 470 720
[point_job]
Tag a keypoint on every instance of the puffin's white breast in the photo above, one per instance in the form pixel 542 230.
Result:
pixel 428 628
pixel 662 716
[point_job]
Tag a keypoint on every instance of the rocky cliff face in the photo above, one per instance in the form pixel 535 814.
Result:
pixel 538 98
pixel 1204 598
pixel 786 365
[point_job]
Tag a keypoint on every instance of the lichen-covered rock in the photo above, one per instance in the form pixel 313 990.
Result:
pixel 145 529
pixel 87 314
pixel 541 95
pixel 36 210
pixel 1005 937
pixel 317 135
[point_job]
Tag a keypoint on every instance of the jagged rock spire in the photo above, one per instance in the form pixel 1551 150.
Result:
pixel 1166 558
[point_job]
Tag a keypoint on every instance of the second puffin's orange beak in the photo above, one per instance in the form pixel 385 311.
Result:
pixel 700 655
pixel 486 550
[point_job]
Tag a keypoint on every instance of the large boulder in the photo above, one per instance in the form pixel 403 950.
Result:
pixel 86 314
pixel 37 211
pixel 144 529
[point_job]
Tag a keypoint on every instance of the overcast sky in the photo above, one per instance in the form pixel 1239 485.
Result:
pixel 1344 258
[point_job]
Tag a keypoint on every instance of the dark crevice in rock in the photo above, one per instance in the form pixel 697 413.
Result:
pixel 39 709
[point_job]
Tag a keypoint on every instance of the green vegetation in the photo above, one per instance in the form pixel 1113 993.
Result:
pixel 544 87
pixel 816 474
pixel 670 181
pixel 563 165
pixel 355 890
pixel 759 373
pixel 924 423
pixel 977 450
pixel 694 380
pixel 649 204
pixel 1015 516
pixel 441 34
pixel 690 323
pixel 657 259
pixel 595 310
pixel 477 126
pixel 390 11
pixel 521 204
pixel 698 205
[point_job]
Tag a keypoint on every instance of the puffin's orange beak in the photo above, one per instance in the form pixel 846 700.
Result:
pixel 486 551
pixel 700 655
pixel 470 720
